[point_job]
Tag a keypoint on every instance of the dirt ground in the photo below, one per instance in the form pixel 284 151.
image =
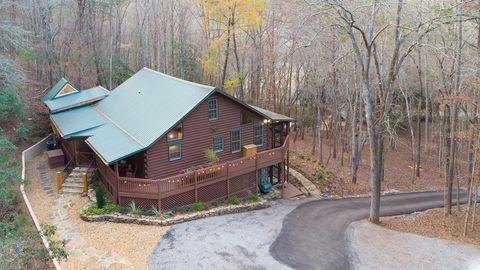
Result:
pixel 398 168
pixel 434 223
pixel 130 241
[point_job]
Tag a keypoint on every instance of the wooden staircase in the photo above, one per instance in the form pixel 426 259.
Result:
pixel 73 184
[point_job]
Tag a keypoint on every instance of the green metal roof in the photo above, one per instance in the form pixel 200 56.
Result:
pixel 271 115
pixel 56 88
pixel 73 100
pixel 137 113
pixel 72 122
pixel 263 112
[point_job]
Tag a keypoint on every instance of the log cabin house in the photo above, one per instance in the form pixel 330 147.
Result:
pixel 149 136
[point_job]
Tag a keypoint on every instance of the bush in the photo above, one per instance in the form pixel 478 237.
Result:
pixel 133 208
pixel 301 155
pixel 57 247
pixel 253 198
pixel 101 197
pixel 211 155
pixel 22 132
pixel 150 212
pixel 321 173
pixel 198 206
pixel 218 202
pixel 234 200
pixel 94 210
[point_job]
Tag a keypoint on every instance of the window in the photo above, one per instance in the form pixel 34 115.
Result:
pixel 174 152
pixel 218 144
pixel 246 119
pixel 212 109
pixel 175 134
pixel 236 140
pixel 258 135
pixel 66 90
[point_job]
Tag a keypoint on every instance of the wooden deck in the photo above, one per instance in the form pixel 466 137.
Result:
pixel 237 177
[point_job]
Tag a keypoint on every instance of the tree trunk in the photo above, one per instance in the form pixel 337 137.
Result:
pixel 227 53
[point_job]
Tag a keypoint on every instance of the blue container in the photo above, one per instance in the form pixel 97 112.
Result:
pixel 265 187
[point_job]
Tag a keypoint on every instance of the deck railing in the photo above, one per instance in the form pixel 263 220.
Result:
pixel 218 176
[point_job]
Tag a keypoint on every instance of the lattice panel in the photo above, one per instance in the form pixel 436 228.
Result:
pixel 244 193
pixel 140 203
pixel 212 192
pixel 178 200
pixel 239 183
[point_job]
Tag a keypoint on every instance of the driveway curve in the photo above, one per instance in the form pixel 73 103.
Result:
pixel 313 235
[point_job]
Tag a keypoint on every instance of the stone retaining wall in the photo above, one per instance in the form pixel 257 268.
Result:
pixel 146 220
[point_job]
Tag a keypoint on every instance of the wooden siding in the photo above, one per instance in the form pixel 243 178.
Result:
pixel 198 133
pixel 77 149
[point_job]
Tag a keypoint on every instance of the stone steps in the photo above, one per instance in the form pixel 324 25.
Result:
pixel 74 181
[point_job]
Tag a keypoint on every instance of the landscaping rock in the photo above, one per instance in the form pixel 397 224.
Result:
pixel 307 184
pixel 147 220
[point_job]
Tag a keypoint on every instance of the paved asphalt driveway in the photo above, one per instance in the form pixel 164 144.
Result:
pixel 313 235
pixel 284 236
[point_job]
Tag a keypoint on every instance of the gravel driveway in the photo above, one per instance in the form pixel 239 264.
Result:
pixel 239 241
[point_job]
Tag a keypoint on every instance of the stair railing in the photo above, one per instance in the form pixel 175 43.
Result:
pixel 67 169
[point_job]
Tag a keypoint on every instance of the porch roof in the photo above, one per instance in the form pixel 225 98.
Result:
pixel 271 115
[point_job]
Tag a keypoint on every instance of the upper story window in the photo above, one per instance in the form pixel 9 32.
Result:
pixel 212 109
pixel 174 152
pixel 246 118
pixel 236 140
pixel 258 135
pixel 218 144
pixel 175 134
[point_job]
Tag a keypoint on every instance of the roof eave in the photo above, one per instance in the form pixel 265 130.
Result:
pixel 253 108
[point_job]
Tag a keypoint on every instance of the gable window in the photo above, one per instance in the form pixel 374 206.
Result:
pixel 218 144
pixel 66 90
pixel 246 118
pixel 258 135
pixel 236 140
pixel 174 152
pixel 212 109
pixel 175 134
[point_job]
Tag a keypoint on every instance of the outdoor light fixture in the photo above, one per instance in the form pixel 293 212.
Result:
pixel 265 121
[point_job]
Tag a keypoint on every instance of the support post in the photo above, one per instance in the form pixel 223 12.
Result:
pixel 288 165
pixel 85 183
pixel 228 179
pixel 159 196
pixel 117 180
pixel 75 152
pixel 256 172
pixel 59 182
pixel 196 186
pixel 282 179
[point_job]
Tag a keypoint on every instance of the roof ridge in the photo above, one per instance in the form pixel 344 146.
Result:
pixel 178 79
pixel 118 126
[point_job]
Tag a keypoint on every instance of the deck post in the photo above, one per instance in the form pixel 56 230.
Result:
pixel 159 196
pixel 288 164
pixel 256 173
pixel 228 179
pixel 117 184
pixel 196 184
pixel 75 153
